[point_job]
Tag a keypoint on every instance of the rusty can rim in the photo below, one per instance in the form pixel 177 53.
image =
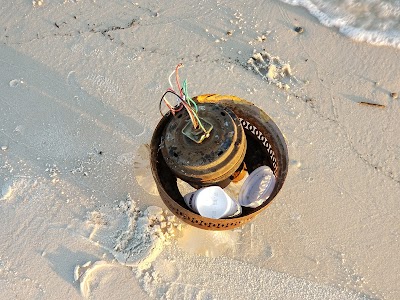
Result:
pixel 255 121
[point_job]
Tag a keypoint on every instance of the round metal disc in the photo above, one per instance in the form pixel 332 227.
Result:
pixel 212 160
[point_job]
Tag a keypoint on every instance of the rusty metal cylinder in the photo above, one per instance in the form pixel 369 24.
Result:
pixel 204 160
pixel 265 144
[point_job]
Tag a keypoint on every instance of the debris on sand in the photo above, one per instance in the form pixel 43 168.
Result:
pixel 372 104
pixel 271 68
pixel 299 29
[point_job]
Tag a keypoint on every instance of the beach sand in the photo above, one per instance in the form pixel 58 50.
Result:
pixel 80 84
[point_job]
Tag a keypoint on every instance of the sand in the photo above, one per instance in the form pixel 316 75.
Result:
pixel 80 83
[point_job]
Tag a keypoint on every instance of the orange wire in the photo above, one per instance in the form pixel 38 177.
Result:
pixel 190 112
pixel 177 78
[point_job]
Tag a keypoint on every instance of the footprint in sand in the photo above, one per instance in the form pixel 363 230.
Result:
pixel 104 280
pixel 135 238
pixel 164 280
pixel 272 69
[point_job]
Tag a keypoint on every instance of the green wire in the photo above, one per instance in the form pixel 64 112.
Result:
pixel 189 100
pixel 191 103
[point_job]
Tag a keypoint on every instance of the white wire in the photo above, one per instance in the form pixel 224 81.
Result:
pixel 169 79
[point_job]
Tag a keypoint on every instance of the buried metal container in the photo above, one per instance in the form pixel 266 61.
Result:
pixel 265 147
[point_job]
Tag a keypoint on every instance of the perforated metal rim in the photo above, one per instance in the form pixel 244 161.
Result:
pixel 267 139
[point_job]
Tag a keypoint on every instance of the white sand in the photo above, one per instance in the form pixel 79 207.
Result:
pixel 80 83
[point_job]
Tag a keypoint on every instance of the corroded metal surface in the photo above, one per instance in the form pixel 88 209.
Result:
pixel 266 146
pixel 212 161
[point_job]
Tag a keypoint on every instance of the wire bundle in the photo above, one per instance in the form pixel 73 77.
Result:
pixel 183 100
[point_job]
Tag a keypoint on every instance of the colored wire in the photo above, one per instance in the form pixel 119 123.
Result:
pixel 193 116
pixel 169 80
pixel 190 100
pixel 178 106
pixel 173 109
pixel 185 101
pixel 177 78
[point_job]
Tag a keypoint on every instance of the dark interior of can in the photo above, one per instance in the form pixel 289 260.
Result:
pixel 265 146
